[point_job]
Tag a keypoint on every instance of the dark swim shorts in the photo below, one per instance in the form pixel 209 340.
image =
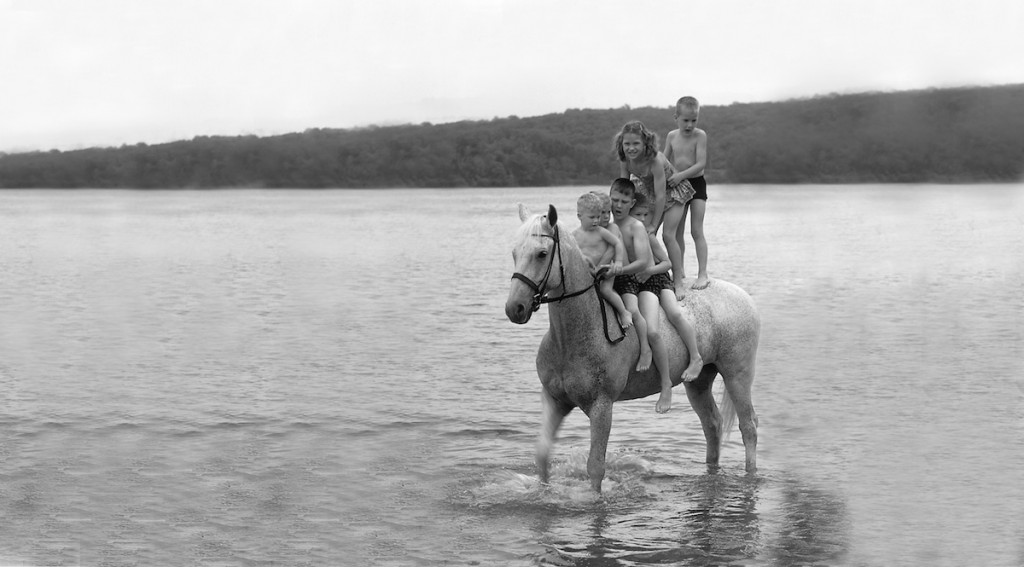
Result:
pixel 656 283
pixel 700 186
pixel 626 284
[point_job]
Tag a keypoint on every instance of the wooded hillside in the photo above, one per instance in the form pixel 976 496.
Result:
pixel 950 135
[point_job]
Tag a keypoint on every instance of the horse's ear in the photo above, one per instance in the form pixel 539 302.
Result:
pixel 524 213
pixel 552 216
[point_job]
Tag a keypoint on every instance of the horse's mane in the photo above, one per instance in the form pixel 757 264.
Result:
pixel 533 226
pixel 536 226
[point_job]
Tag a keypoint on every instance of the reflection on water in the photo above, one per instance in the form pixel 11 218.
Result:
pixel 711 518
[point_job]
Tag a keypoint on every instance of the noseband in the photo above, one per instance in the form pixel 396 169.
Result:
pixel 539 288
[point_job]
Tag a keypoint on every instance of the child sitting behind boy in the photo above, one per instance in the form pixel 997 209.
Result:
pixel 595 242
pixel 606 222
pixel 657 282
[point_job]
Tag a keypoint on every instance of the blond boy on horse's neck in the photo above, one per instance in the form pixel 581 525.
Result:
pixel 597 243
pixel 638 254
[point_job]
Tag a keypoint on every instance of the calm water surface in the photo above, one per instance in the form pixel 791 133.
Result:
pixel 328 378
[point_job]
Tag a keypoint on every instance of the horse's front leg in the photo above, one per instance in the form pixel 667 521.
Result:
pixel 600 427
pixel 553 414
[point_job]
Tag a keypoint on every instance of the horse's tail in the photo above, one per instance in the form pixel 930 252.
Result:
pixel 728 411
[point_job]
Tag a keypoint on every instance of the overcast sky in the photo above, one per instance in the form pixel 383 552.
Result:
pixel 80 73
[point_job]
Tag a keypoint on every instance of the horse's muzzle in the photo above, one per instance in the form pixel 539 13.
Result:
pixel 518 311
pixel 520 304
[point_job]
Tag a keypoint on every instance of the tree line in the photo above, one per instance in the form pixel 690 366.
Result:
pixel 959 135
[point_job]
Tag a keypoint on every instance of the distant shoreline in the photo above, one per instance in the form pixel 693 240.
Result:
pixel 1006 183
pixel 950 136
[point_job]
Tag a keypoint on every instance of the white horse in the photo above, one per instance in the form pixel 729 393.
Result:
pixel 580 364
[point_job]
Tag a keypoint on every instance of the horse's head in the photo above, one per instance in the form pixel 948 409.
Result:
pixel 537 265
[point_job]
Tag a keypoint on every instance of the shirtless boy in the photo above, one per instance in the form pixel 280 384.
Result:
pixel 595 242
pixel 686 148
pixel 638 253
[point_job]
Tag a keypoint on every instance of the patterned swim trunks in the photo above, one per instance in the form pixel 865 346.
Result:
pixel 626 284
pixel 656 283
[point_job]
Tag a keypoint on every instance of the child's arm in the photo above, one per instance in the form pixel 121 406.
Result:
pixel 641 248
pixel 616 242
pixel 669 155
pixel 700 159
pixel 658 168
pixel 661 262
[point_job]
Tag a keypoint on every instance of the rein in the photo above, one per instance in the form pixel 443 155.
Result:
pixel 539 298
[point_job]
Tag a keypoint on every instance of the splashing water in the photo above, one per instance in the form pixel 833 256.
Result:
pixel 569 486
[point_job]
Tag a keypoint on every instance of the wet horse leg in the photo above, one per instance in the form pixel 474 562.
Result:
pixel 600 415
pixel 703 403
pixel 553 414
pixel 738 386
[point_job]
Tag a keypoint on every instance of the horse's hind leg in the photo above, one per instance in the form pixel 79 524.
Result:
pixel 738 385
pixel 553 414
pixel 703 403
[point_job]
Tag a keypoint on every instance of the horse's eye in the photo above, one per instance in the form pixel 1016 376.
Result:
pixel 542 254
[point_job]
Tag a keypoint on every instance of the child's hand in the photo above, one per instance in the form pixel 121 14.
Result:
pixel 610 270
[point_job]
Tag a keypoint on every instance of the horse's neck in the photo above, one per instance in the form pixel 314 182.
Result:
pixel 575 318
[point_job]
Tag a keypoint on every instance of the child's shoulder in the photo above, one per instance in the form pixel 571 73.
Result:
pixel 631 224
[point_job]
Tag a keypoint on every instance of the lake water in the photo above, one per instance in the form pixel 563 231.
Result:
pixel 258 377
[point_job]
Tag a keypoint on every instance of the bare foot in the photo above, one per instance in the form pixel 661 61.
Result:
pixel 680 291
pixel 645 359
pixel 701 283
pixel 693 370
pixel 625 319
pixel 664 401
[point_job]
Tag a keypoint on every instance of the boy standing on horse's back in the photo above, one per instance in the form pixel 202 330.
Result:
pixel 686 148
pixel 638 252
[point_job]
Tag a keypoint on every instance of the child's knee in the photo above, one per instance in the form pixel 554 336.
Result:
pixel 654 336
